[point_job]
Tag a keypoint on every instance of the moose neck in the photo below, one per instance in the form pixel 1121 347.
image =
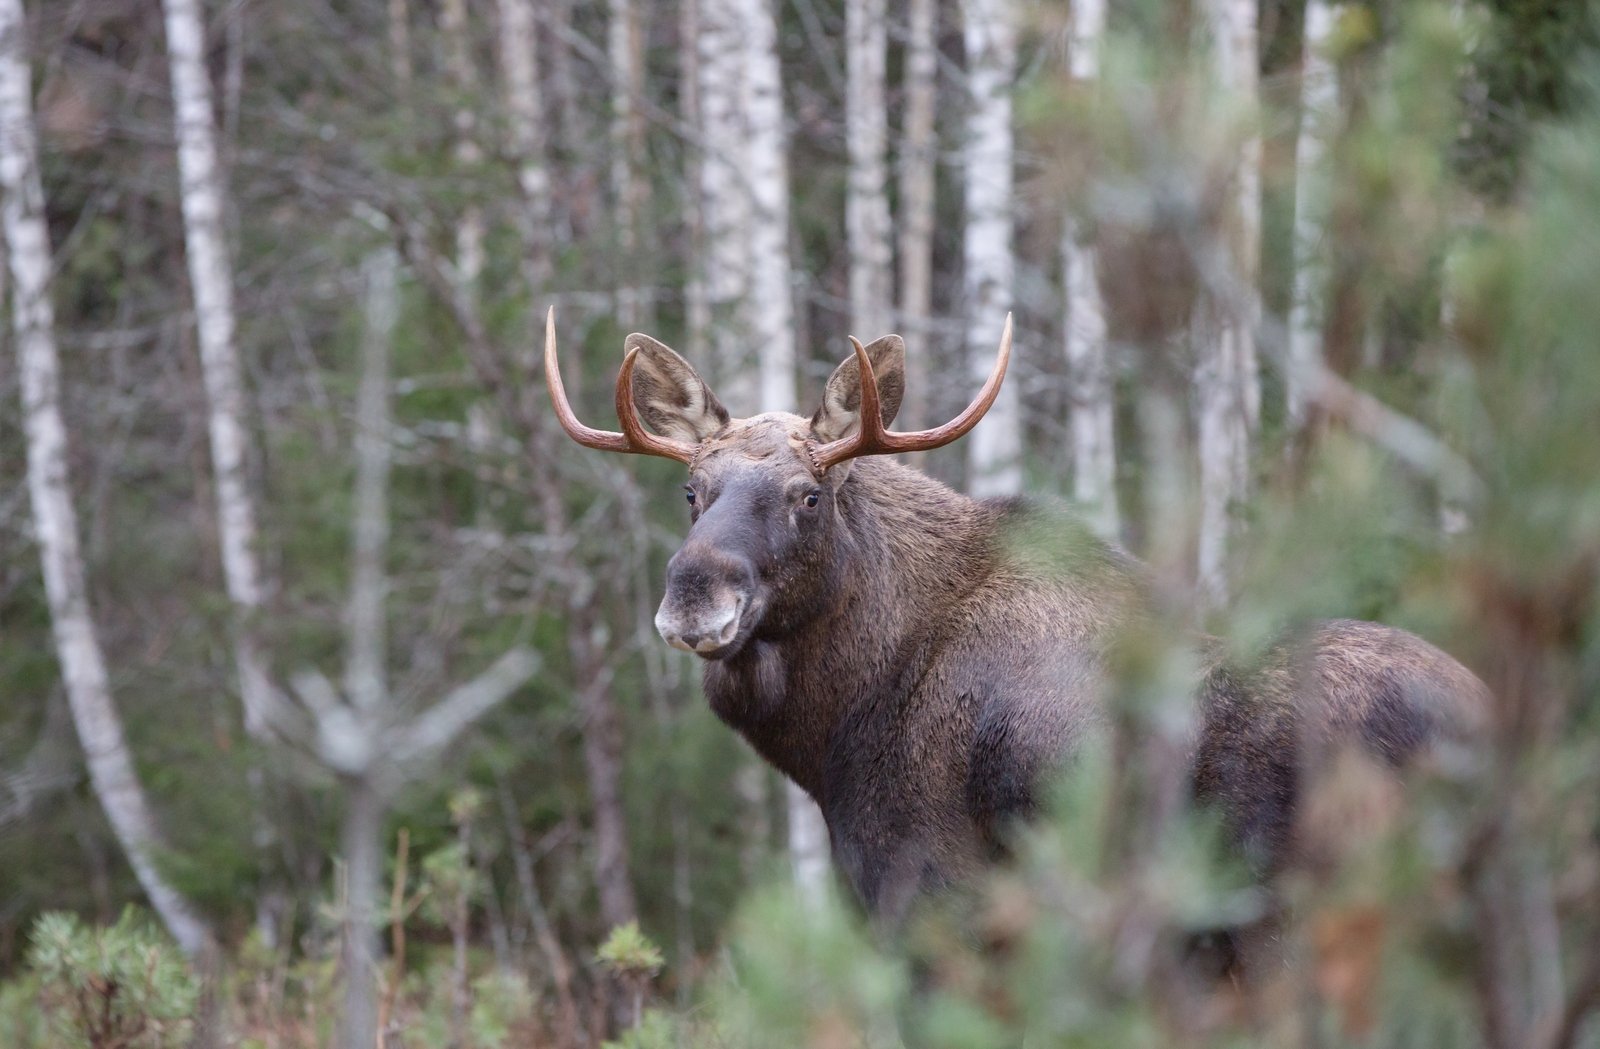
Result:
pixel 908 547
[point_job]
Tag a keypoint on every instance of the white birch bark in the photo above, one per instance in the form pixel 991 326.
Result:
pixel 1227 380
pixel 211 280
pixel 868 236
pixel 525 118
pixel 697 299
pixel 111 771
pixel 918 154
pixel 1234 32
pixel 454 27
pixel 727 207
pixel 989 31
pixel 809 854
pixel 628 186
pixel 1319 91
pixel 1220 442
pixel 1089 374
pixel 768 307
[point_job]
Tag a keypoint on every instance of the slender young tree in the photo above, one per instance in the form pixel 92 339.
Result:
pixel 869 240
pixel 1238 64
pixel 1227 382
pixel 111 770
pixel 629 187
pixel 361 733
pixel 768 307
pixel 696 291
pixel 456 27
pixel 1319 107
pixel 211 281
pixel 602 723
pixel 727 204
pixel 524 104
pixel 1089 376
pixel 989 32
pixel 918 155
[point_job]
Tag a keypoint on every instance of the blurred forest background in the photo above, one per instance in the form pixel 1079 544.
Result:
pixel 324 650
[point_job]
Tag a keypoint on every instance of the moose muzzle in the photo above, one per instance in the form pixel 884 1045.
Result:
pixel 708 596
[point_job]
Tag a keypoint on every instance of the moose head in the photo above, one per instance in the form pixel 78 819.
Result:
pixel 762 551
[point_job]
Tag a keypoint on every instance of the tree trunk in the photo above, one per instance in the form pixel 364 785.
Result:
pixel 602 732
pixel 362 841
pixel 529 139
pixel 809 854
pixel 869 239
pixel 727 204
pixel 1227 380
pixel 602 758
pixel 918 155
pixel 1319 100
pixel 1089 375
pixel 459 64
pixel 1234 36
pixel 211 279
pixel 83 671
pixel 696 294
pixel 628 185
pixel 768 306
pixel 366 674
pixel 366 663
pixel 995 448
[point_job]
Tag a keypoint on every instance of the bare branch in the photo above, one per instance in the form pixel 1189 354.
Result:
pixel 1402 436
pixel 437 727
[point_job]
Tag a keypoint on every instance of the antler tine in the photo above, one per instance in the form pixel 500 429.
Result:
pixel 634 439
pixel 873 439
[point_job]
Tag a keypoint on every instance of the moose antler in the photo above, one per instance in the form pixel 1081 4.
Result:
pixel 873 439
pixel 634 437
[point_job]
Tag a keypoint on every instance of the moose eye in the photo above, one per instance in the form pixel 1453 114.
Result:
pixel 688 493
pixel 812 497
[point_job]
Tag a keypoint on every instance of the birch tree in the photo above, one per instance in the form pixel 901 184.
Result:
pixel 918 154
pixel 744 202
pixel 629 188
pixel 1319 95
pixel 111 770
pixel 362 733
pixel 768 307
pixel 211 282
pixel 1227 383
pixel 602 727
pixel 726 206
pixel 1094 463
pixel 869 240
pixel 456 28
pixel 519 71
pixel 989 32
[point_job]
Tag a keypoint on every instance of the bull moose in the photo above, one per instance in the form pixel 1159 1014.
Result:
pixel 898 650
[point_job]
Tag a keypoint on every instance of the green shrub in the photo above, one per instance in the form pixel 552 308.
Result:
pixel 124 986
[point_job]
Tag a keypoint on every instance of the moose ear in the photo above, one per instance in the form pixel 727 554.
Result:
pixel 840 413
pixel 669 394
